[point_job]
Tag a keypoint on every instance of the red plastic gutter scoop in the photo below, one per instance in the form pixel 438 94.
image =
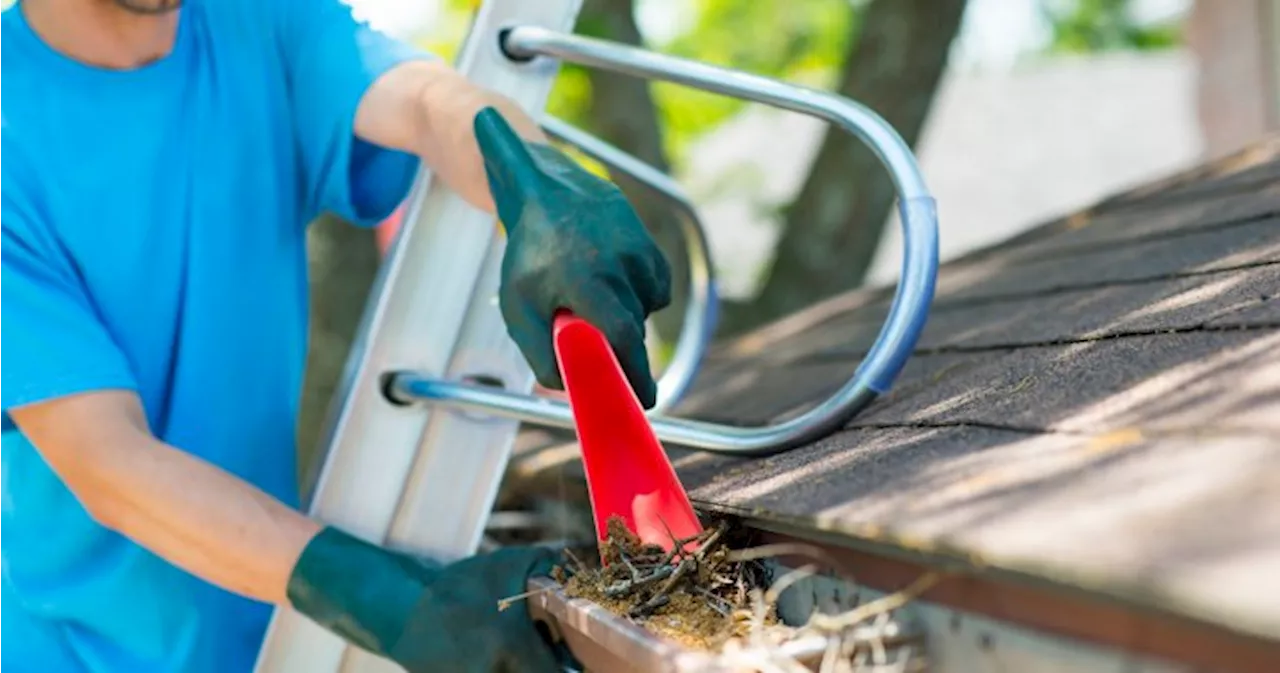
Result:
pixel 628 473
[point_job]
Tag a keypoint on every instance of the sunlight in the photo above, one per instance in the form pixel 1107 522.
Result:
pixel 1198 294
pixel 1254 366
pixel 402 19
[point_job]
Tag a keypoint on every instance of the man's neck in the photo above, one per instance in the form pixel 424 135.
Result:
pixel 101 33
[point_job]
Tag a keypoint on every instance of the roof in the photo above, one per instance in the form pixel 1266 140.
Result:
pixel 1095 402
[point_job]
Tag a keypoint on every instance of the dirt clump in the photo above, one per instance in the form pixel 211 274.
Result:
pixel 694 595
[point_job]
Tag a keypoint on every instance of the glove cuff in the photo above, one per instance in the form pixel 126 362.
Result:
pixel 510 169
pixel 519 171
pixel 358 590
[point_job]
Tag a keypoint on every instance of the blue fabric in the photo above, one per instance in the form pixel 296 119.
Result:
pixel 154 224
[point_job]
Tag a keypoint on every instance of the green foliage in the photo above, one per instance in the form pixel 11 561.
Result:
pixel 570 96
pixel 1088 26
pixel 449 28
pixel 802 42
pixel 799 42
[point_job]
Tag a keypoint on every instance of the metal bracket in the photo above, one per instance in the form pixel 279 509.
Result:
pixel 908 312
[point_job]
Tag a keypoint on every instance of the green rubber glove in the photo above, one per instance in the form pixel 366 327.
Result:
pixel 573 241
pixel 425 616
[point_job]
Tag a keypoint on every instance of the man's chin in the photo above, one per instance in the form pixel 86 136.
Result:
pixel 149 6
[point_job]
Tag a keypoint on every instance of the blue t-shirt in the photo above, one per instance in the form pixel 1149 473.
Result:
pixel 154 226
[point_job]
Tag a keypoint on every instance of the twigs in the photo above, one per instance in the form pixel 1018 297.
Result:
pixel 700 593
pixel 868 637
pixel 507 602
pixel 679 569
pixel 881 605
pixel 719 604
pixel 780 549
pixel 775 591
pixel 579 566
pixel 687 584
pixel 627 586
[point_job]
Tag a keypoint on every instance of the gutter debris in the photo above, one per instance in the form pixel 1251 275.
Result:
pixel 693 598
pixel 715 609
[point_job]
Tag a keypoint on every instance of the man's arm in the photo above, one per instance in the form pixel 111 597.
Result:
pixel 227 532
pixel 429 109
pixel 191 513
pixel 68 388
pixel 187 510
pixel 582 248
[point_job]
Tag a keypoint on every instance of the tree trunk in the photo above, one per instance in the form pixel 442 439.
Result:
pixel 833 227
pixel 343 261
pixel 622 111
pixel 1237 50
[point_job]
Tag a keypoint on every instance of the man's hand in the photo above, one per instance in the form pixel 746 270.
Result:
pixel 422 615
pixel 573 242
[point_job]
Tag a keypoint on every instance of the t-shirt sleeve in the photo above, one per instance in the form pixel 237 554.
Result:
pixel 53 342
pixel 331 59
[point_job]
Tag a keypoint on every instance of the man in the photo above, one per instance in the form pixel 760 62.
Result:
pixel 160 165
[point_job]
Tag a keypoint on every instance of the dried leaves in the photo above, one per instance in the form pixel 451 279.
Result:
pixel 703 595
pixel 688 594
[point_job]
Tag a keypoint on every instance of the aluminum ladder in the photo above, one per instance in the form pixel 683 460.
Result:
pixel 434 391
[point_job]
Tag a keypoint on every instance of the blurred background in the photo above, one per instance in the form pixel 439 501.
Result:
pixel 1020 111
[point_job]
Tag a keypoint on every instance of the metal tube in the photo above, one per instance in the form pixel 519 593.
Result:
pixel 699 314
pixel 907 314
pixel 523 42
pixel 411 387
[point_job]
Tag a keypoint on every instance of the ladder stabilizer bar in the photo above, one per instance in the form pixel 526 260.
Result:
pixel 898 335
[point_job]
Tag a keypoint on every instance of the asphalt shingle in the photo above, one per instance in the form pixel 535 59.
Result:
pixel 1096 403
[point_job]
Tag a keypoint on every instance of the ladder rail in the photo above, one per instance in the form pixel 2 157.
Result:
pixel 424 480
pixel 897 337
pixel 703 305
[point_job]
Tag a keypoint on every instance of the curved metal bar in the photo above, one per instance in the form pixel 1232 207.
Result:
pixel 700 313
pixel 907 315
pixel 411 387
pixel 524 42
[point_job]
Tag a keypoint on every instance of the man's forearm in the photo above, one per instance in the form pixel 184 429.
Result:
pixel 184 509
pixel 205 520
pixel 429 109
